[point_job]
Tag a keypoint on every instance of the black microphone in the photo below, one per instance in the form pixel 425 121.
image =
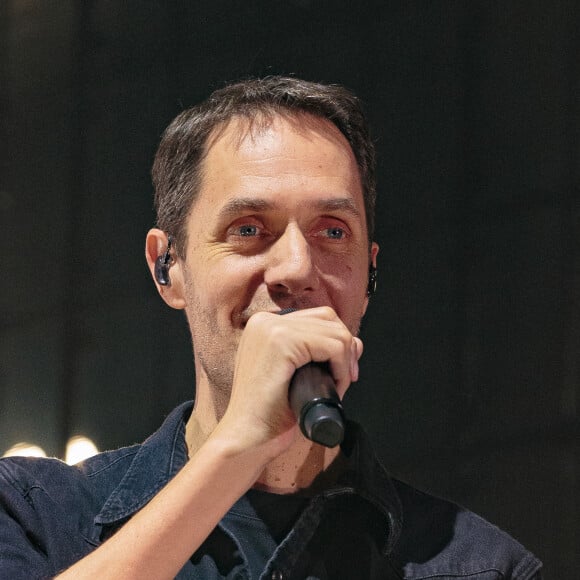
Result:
pixel 313 398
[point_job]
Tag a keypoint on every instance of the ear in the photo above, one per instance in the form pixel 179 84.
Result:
pixel 372 262
pixel 155 246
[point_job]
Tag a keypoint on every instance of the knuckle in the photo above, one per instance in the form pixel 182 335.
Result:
pixel 266 328
pixel 258 320
pixel 276 333
pixel 338 351
pixel 327 312
pixel 345 338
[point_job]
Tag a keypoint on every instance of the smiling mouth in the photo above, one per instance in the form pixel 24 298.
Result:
pixel 243 317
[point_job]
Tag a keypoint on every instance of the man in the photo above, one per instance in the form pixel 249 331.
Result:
pixel 265 199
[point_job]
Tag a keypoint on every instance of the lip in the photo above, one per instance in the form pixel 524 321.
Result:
pixel 245 316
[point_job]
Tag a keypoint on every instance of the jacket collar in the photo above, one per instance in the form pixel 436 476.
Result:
pixel 366 477
pixel 158 460
pixel 163 454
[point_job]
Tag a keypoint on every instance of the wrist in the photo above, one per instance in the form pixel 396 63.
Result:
pixel 252 443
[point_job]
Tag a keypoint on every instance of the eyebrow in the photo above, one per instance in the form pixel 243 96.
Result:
pixel 338 204
pixel 244 204
pixel 240 205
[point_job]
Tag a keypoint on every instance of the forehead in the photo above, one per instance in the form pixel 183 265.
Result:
pixel 242 131
pixel 276 151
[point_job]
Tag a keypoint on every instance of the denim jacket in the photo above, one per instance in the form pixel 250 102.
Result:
pixel 367 526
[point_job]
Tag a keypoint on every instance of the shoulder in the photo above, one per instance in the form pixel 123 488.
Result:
pixel 22 474
pixel 48 509
pixel 52 514
pixel 441 537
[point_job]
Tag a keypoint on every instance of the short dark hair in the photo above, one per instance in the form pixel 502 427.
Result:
pixel 177 167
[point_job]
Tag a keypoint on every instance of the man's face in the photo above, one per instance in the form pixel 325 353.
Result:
pixel 278 223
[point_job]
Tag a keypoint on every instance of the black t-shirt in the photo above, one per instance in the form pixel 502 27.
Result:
pixel 258 521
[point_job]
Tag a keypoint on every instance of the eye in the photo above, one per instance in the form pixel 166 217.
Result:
pixel 247 234
pixel 247 230
pixel 334 233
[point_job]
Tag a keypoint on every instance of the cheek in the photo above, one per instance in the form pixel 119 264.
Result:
pixel 352 284
pixel 232 283
pixel 238 272
pixel 347 275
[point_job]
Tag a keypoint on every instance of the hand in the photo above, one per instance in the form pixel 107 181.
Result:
pixel 271 349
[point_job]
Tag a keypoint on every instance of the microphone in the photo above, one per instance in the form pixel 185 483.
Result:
pixel 313 399
pixel 312 396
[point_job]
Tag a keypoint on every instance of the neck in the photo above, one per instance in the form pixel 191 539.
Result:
pixel 304 466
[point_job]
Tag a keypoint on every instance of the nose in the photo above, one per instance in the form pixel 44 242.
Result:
pixel 290 266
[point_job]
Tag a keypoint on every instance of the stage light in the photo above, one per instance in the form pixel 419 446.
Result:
pixel 24 449
pixel 79 448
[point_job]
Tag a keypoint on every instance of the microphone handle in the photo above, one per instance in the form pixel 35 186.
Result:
pixel 313 398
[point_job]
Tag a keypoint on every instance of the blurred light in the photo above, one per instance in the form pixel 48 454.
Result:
pixel 25 450
pixel 79 448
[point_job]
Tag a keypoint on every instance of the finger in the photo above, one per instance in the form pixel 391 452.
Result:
pixel 320 312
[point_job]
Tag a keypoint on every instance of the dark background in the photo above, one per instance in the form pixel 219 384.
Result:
pixel 470 381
